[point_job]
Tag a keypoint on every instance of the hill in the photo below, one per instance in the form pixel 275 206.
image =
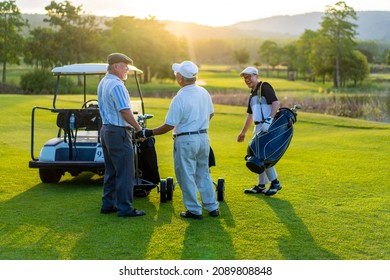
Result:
pixel 371 26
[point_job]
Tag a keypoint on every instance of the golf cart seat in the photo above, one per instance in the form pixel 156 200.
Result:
pixel 87 119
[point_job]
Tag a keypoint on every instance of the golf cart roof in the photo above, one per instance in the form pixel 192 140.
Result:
pixel 87 69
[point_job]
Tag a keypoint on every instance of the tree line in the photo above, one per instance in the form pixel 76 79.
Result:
pixel 329 53
pixel 76 37
pixel 72 36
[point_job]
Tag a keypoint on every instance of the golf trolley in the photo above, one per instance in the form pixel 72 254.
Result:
pixel 146 169
pixel 77 146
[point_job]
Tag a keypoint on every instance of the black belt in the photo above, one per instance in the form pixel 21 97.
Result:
pixel 256 123
pixel 190 133
pixel 125 127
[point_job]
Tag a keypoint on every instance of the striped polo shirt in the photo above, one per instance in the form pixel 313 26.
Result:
pixel 113 97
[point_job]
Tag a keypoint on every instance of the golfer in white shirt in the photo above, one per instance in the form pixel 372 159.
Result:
pixel 188 116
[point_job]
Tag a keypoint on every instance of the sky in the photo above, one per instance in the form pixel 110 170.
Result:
pixel 206 12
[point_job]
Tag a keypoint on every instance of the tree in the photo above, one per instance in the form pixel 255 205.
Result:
pixel 357 68
pixel 371 50
pixel 241 56
pixel 269 54
pixel 304 49
pixel 338 32
pixel 388 58
pixel 11 22
pixel 39 48
pixel 321 58
pixel 76 33
pixel 146 42
pixel 290 59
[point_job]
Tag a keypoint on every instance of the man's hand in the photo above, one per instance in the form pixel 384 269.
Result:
pixel 266 124
pixel 144 133
pixel 241 137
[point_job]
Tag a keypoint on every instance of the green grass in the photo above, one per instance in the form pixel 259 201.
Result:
pixel 218 78
pixel 335 201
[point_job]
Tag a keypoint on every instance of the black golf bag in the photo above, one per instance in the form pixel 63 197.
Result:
pixel 147 175
pixel 266 148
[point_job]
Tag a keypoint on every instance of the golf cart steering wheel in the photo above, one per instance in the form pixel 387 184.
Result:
pixel 89 103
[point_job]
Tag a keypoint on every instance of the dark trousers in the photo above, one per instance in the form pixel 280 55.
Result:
pixel 119 168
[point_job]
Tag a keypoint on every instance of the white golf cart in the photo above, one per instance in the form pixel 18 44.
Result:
pixel 77 148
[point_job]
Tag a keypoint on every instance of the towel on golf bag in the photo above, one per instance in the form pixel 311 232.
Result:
pixel 266 148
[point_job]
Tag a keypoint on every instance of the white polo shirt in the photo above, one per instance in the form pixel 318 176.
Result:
pixel 190 109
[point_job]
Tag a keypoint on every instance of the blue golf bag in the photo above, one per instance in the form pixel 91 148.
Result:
pixel 266 148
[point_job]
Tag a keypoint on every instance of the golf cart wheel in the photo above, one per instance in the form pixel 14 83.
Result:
pixel 169 188
pixel 50 175
pixel 163 191
pixel 220 189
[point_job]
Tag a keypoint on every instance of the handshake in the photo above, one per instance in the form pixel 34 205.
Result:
pixel 144 133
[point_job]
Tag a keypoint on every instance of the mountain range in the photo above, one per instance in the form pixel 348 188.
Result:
pixel 371 25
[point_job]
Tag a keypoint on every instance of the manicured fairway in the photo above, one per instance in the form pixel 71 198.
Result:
pixel 335 201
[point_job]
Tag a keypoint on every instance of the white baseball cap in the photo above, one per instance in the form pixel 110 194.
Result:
pixel 187 69
pixel 250 71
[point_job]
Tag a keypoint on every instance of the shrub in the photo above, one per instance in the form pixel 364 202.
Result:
pixel 43 82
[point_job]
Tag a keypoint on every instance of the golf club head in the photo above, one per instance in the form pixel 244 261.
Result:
pixel 297 106
pixel 144 117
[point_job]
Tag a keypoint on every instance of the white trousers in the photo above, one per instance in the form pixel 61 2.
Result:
pixel 191 160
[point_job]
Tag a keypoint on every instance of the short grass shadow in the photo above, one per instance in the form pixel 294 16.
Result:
pixel 300 244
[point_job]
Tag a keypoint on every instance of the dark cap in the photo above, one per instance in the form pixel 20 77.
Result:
pixel 119 57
